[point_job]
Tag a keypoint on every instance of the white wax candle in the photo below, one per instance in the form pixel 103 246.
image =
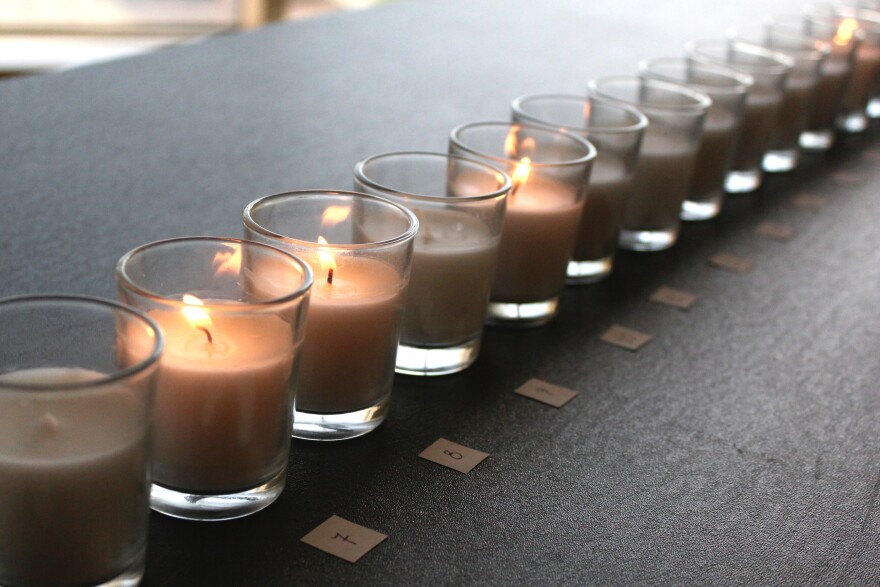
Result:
pixel 828 91
pixel 452 267
pixel 222 407
pixel 609 190
pixel 540 227
pixel 865 71
pixel 793 112
pixel 759 120
pixel 72 481
pixel 660 182
pixel 347 359
pixel 713 156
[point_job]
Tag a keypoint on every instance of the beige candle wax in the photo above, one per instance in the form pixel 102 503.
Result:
pixel 660 182
pixel 759 121
pixel 452 267
pixel 865 70
pixel 223 405
pixel 72 481
pixel 793 112
pixel 350 347
pixel 609 190
pixel 827 94
pixel 537 239
pixel 713 156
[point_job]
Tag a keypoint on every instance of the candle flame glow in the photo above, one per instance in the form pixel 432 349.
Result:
pixel 520 174
pixel 334 215
pixel 514 148
pixel 328 262
pixel 845 31
pixel 228 262
pixel 195 312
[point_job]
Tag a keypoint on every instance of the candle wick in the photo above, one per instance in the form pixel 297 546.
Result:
pixel 329 276
pixel 207 333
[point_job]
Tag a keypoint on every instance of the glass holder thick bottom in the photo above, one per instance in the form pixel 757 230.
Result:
pixel 525 314
pixel 216 507
pixel 340 426
pixel 781 160
pixel 705 209
pixel 817 140
pixel 742 182
pixel 584 272
pixel 647 240
pixel 430 361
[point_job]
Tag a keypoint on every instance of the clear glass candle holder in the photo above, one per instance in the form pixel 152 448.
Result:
pixel 460 206
pixel 616 132
pixel 728 90
pixel 852 117
pixel 808 56
pixel 77 377
pixel 818 134
pixel 232 312
pixel 360 248
pixel 549 170
pixel 665 166
pixel 769 70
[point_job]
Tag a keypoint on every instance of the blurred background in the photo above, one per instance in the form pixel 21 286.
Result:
pixel 44 36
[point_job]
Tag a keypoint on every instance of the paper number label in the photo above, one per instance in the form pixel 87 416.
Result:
pixel 455 456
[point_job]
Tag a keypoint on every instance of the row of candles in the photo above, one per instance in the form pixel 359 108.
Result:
pixel 219 347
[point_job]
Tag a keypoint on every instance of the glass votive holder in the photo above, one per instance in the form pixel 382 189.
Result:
pixel 852 117
pixel 665 166
pixel 834 73
pixel 460 206
pixel 549 170
pixel 728 90
pixel 232 312
pixel 616 133
pixel 769 70
pixel 808 56
pixel 359 247
pixel 77 377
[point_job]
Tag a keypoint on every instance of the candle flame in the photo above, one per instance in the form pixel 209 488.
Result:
pixel 587 110
pixel 228 262
pixel 195 312
pixel 328 263
pixel 334 215
pixel 520 174
pixel 845 31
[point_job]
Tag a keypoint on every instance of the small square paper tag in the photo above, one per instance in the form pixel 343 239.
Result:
pixel 673 297
pixel 779 232
pixel 808 201
pixel 455 456
pixel 546 393
pixel 731 262
pixel 846 177
pixel 623 337
pixel 344 539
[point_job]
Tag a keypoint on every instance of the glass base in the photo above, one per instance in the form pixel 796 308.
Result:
pixel 216 507
pixel 852 122
pixel 131 577
pixel 873 109
pixel 530 314
pixel 582 272
pixel 740 182
pixel 647 240
pixel 414 360
pixel 780 161
pixel 693 210
pixel 817 140
pixel 315 426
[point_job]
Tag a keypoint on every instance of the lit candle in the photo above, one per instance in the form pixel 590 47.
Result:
pixel 72 480
pixel 223 398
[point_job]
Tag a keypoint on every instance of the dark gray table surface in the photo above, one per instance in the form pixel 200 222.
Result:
pixel 740 446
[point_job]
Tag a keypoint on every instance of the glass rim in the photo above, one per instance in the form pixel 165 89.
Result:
pixel 640 124
pixel 249 222
pixel 116 376
pixel 779 62
pixel 129 284
pixel 741 82
pixel 701 102
pixel 361 176
pixel 590 156
pixel 831 20
pixel 812 50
